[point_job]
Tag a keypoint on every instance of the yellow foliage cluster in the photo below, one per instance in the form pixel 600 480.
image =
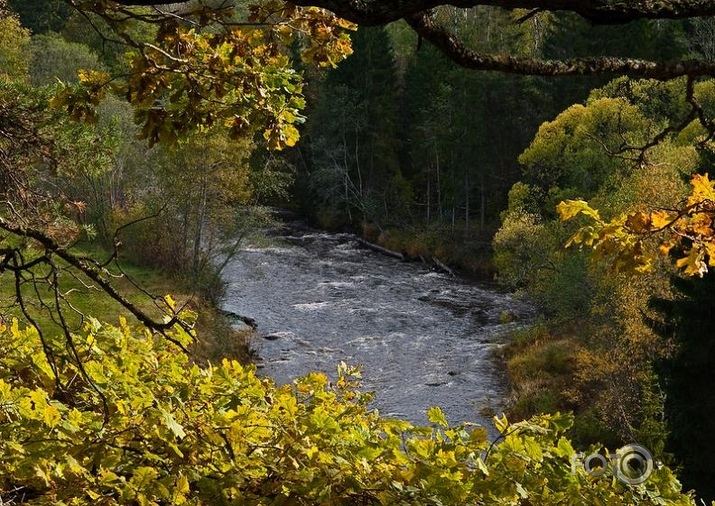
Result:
pixel 128 419
pixel 686 232
pixel 216 70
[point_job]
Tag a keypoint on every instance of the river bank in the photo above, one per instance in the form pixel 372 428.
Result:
pixel 465 251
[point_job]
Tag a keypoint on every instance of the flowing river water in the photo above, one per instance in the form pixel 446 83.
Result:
pixel 423 338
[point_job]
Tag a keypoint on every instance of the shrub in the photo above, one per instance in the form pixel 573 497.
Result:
pixel 129 420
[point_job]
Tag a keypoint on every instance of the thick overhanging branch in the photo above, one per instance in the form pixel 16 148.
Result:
pixel 451 46
pixel 377 12
pixel 418 14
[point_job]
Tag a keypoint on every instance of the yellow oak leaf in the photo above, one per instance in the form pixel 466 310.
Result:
pixel 661 219
pixel 639 222
pixel 700 224
pixel 693 263
pixel 703 189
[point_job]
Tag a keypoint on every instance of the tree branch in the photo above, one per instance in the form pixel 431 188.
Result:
pixel 418 14
pixel 89 269
pixel 607 12
pixel 451 46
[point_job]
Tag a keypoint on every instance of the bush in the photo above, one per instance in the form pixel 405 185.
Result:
pixel 128 419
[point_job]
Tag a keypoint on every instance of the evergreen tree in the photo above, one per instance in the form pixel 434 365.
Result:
pixel 353 133
pixel 42 16
pixel 690 404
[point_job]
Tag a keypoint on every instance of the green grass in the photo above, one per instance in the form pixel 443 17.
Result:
pixel 83 297
pixel 144 287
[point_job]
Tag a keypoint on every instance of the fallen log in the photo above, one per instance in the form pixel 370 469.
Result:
pixel 435 262
pixel 245 319
pixel 442 266
pixel 380 249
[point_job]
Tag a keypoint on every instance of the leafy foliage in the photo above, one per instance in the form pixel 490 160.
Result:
pixel 600 159
pixel 623 238
pixel 191 212
pixel 54 59
pixel 207 67
pixel 125 417
pixel 136 422
pixel 569 152
pixel 14 40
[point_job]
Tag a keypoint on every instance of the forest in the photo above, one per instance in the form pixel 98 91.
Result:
pixel 142 144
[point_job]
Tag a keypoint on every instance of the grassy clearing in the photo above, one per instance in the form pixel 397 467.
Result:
pixel 143 286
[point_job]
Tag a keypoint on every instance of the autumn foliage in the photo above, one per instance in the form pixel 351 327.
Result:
pixel 632 240
pixel 217 70
pixel 134 421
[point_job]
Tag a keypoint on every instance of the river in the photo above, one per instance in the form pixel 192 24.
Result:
pixel 423 338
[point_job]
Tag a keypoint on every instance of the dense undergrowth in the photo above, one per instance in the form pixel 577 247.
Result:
pixel 616 342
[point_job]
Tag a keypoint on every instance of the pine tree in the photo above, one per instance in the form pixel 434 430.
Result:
pixel 687 377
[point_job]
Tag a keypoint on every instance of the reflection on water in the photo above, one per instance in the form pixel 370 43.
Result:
pixel 423 338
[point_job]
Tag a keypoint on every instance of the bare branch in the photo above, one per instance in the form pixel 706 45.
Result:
pixel 96 274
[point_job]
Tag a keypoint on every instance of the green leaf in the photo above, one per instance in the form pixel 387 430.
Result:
pixel 173 425
pixel 568 209
pixel 143 477
pixel 436 415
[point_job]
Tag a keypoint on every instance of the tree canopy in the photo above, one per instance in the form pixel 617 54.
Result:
pixel 204 63
pixel 420 14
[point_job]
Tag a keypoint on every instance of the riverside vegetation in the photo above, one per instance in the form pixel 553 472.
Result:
pixel 187 120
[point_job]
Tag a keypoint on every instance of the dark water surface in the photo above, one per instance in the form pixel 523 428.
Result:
pixel 422 337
